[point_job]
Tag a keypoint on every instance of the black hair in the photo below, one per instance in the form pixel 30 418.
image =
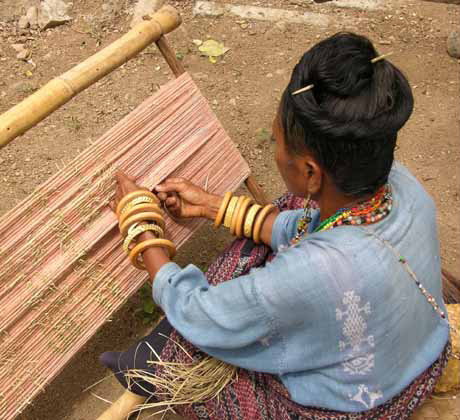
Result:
pixel 350 119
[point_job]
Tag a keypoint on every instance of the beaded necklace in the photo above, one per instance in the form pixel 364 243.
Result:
pixel 365 213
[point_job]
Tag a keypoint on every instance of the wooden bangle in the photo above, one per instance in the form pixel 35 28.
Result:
pixel 130 196
pixel 149 216
pixel 222 209
pixel 235 214
pixel 249 221
pixel 140 208
pixel 241 216
pixel 150 243
pixel 143 199
pixel 260 221
pixel 229 212
pixel 134 233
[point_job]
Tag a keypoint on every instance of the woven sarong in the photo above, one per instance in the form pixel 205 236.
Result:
pixel 259 396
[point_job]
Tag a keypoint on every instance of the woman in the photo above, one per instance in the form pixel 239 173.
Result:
pixel 345 319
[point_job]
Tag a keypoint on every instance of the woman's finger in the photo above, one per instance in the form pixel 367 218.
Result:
pixel 162 196
pixel 171 187
pixel 171 201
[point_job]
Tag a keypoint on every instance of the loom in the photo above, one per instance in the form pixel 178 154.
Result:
pixel 63 273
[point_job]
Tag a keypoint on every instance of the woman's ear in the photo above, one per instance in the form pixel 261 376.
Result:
pixel 313 175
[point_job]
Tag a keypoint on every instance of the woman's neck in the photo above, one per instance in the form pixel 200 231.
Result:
pixel 331 202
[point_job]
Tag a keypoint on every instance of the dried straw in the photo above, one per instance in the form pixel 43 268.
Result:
pixel 176 383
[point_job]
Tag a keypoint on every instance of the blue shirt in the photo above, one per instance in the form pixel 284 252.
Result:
pixel 337 317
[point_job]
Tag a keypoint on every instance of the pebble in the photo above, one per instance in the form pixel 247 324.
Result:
pixel 144 8
pixel 23 22
pixel 453 44
pixel 32 16
pixel 23 55
pixel 53 13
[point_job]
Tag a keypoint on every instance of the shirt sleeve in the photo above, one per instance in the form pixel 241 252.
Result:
pixel 285 227
pixel 227 321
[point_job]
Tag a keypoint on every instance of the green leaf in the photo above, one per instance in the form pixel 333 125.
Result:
pixel 149 307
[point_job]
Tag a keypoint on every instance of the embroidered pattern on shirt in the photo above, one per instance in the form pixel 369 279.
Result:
pixel 366 397
pixel 355 335
pixel 354 326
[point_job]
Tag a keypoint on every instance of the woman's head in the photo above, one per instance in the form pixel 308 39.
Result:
pixel 347 125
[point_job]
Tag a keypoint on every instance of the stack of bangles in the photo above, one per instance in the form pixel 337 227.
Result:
pixel 139 212
pixel 242 216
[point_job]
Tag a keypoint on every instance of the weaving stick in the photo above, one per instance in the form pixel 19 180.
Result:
pixel 60 90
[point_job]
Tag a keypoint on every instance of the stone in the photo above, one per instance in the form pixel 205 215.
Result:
pixel 207 8
pixel 269 14
pixel 453 44
pixel 32 16
pixel 23 55
pixel 144 8
pixel 53 13
pixel 111 8
pixel 23 22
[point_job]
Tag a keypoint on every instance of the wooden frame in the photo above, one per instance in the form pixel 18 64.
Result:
pixel 57 92
pixel 177 68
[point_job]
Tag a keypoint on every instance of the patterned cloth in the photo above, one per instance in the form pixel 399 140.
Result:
pixel 258 396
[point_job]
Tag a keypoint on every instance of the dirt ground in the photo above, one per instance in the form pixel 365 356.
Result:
pixel 243 89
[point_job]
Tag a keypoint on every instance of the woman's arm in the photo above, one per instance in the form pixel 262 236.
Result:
pixel 183 200
pixel 155 258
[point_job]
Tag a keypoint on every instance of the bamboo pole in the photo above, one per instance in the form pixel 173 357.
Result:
pixel 60 90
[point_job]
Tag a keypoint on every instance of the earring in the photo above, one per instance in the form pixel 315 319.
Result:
pixel 307 209
pixel 304 221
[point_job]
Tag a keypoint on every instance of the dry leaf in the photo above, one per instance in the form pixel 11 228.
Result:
pixel 213 49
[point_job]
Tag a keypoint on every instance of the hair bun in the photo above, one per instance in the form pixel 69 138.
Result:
pixel 344 70
pixel 351 117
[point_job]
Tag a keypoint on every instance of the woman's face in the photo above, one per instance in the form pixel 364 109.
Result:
pixel 291 167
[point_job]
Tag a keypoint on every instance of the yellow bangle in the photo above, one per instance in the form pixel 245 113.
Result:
pixel 222 209
pixel 230 211
pixel 135 230
pixel 131 196
pixel 260 221
pixel 143 199
pixel 235 214
pixel 140 208
pixel 241 216
pixel 151 243
pixel 141 217
pixel 249 221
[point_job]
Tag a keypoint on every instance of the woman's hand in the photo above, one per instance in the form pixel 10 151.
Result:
pixel 125 185
pixel 184 199
pixel 154 258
